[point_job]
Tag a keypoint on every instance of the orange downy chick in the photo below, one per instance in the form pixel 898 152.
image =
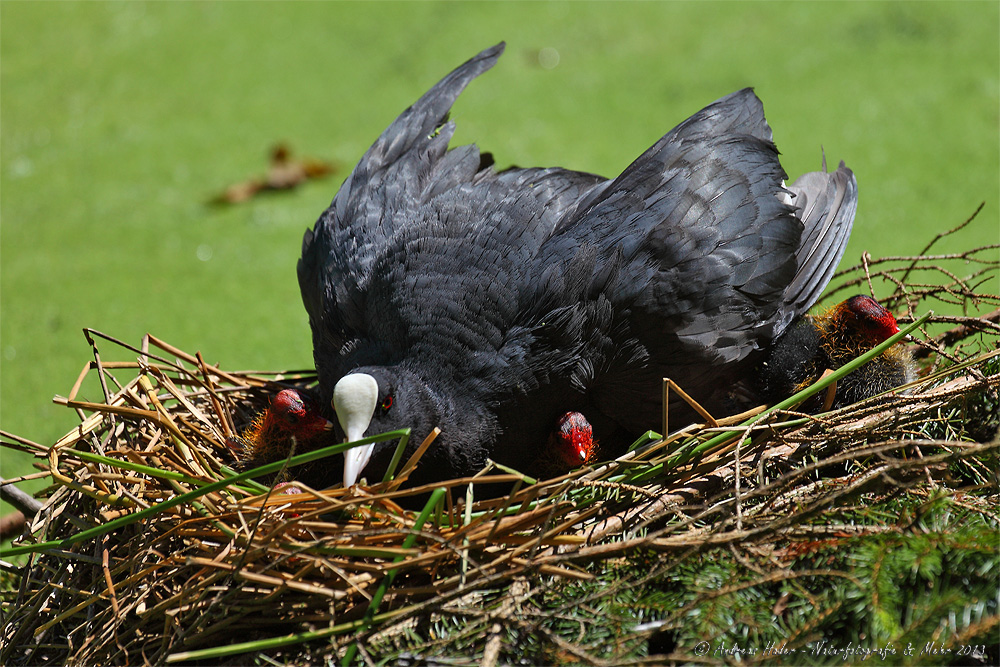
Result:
pixel 292 419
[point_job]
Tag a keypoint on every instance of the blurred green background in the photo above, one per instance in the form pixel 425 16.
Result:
pixel 119 120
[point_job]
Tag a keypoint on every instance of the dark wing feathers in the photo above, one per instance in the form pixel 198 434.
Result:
pixel 693 249
pixel 405 167
pixel 701 227
pixel 691 260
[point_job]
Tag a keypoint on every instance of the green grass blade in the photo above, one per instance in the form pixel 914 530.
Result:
pixel 285 640
pixel 396 457
pixel 134 467
pixel 645 439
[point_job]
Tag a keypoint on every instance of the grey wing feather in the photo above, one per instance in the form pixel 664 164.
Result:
pixel 826 204
pixel 402 169
pixel 682 261
pixel 700 225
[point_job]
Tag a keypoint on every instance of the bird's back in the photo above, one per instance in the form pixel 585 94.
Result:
pixel 423 251
pixel 542 291
pixel 691 262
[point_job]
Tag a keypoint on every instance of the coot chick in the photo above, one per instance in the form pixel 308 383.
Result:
pixel 573 440
pixel 292 418
pixel 830 340
pixel 571 445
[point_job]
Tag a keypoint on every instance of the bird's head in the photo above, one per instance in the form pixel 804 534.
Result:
pixel 856 325
pixel 370 401
pixel 296 414
pixel 292 418
pixel 573 440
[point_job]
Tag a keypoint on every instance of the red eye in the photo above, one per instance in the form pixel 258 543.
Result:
pixel 386 404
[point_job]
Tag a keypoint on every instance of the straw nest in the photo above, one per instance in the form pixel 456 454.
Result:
pixel 151 550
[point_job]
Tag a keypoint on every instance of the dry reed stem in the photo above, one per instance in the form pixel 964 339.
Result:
pixel 238 563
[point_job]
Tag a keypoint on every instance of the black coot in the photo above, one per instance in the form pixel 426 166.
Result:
pixel 442 292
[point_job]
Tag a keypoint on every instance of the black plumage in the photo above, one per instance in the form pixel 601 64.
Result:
pixel 491 303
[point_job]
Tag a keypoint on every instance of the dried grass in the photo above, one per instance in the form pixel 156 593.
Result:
pixel 234 567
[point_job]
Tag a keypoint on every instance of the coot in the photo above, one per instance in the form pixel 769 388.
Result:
pixel 444 292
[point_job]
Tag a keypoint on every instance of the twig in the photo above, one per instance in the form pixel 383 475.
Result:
pixel 19 499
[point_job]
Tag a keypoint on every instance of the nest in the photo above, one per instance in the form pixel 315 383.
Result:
pixel 151 549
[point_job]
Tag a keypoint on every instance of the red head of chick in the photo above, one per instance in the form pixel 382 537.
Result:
pixel 853 327
pixel 570 445
pixel 293 418
pixel 573 440
pixel 830 340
